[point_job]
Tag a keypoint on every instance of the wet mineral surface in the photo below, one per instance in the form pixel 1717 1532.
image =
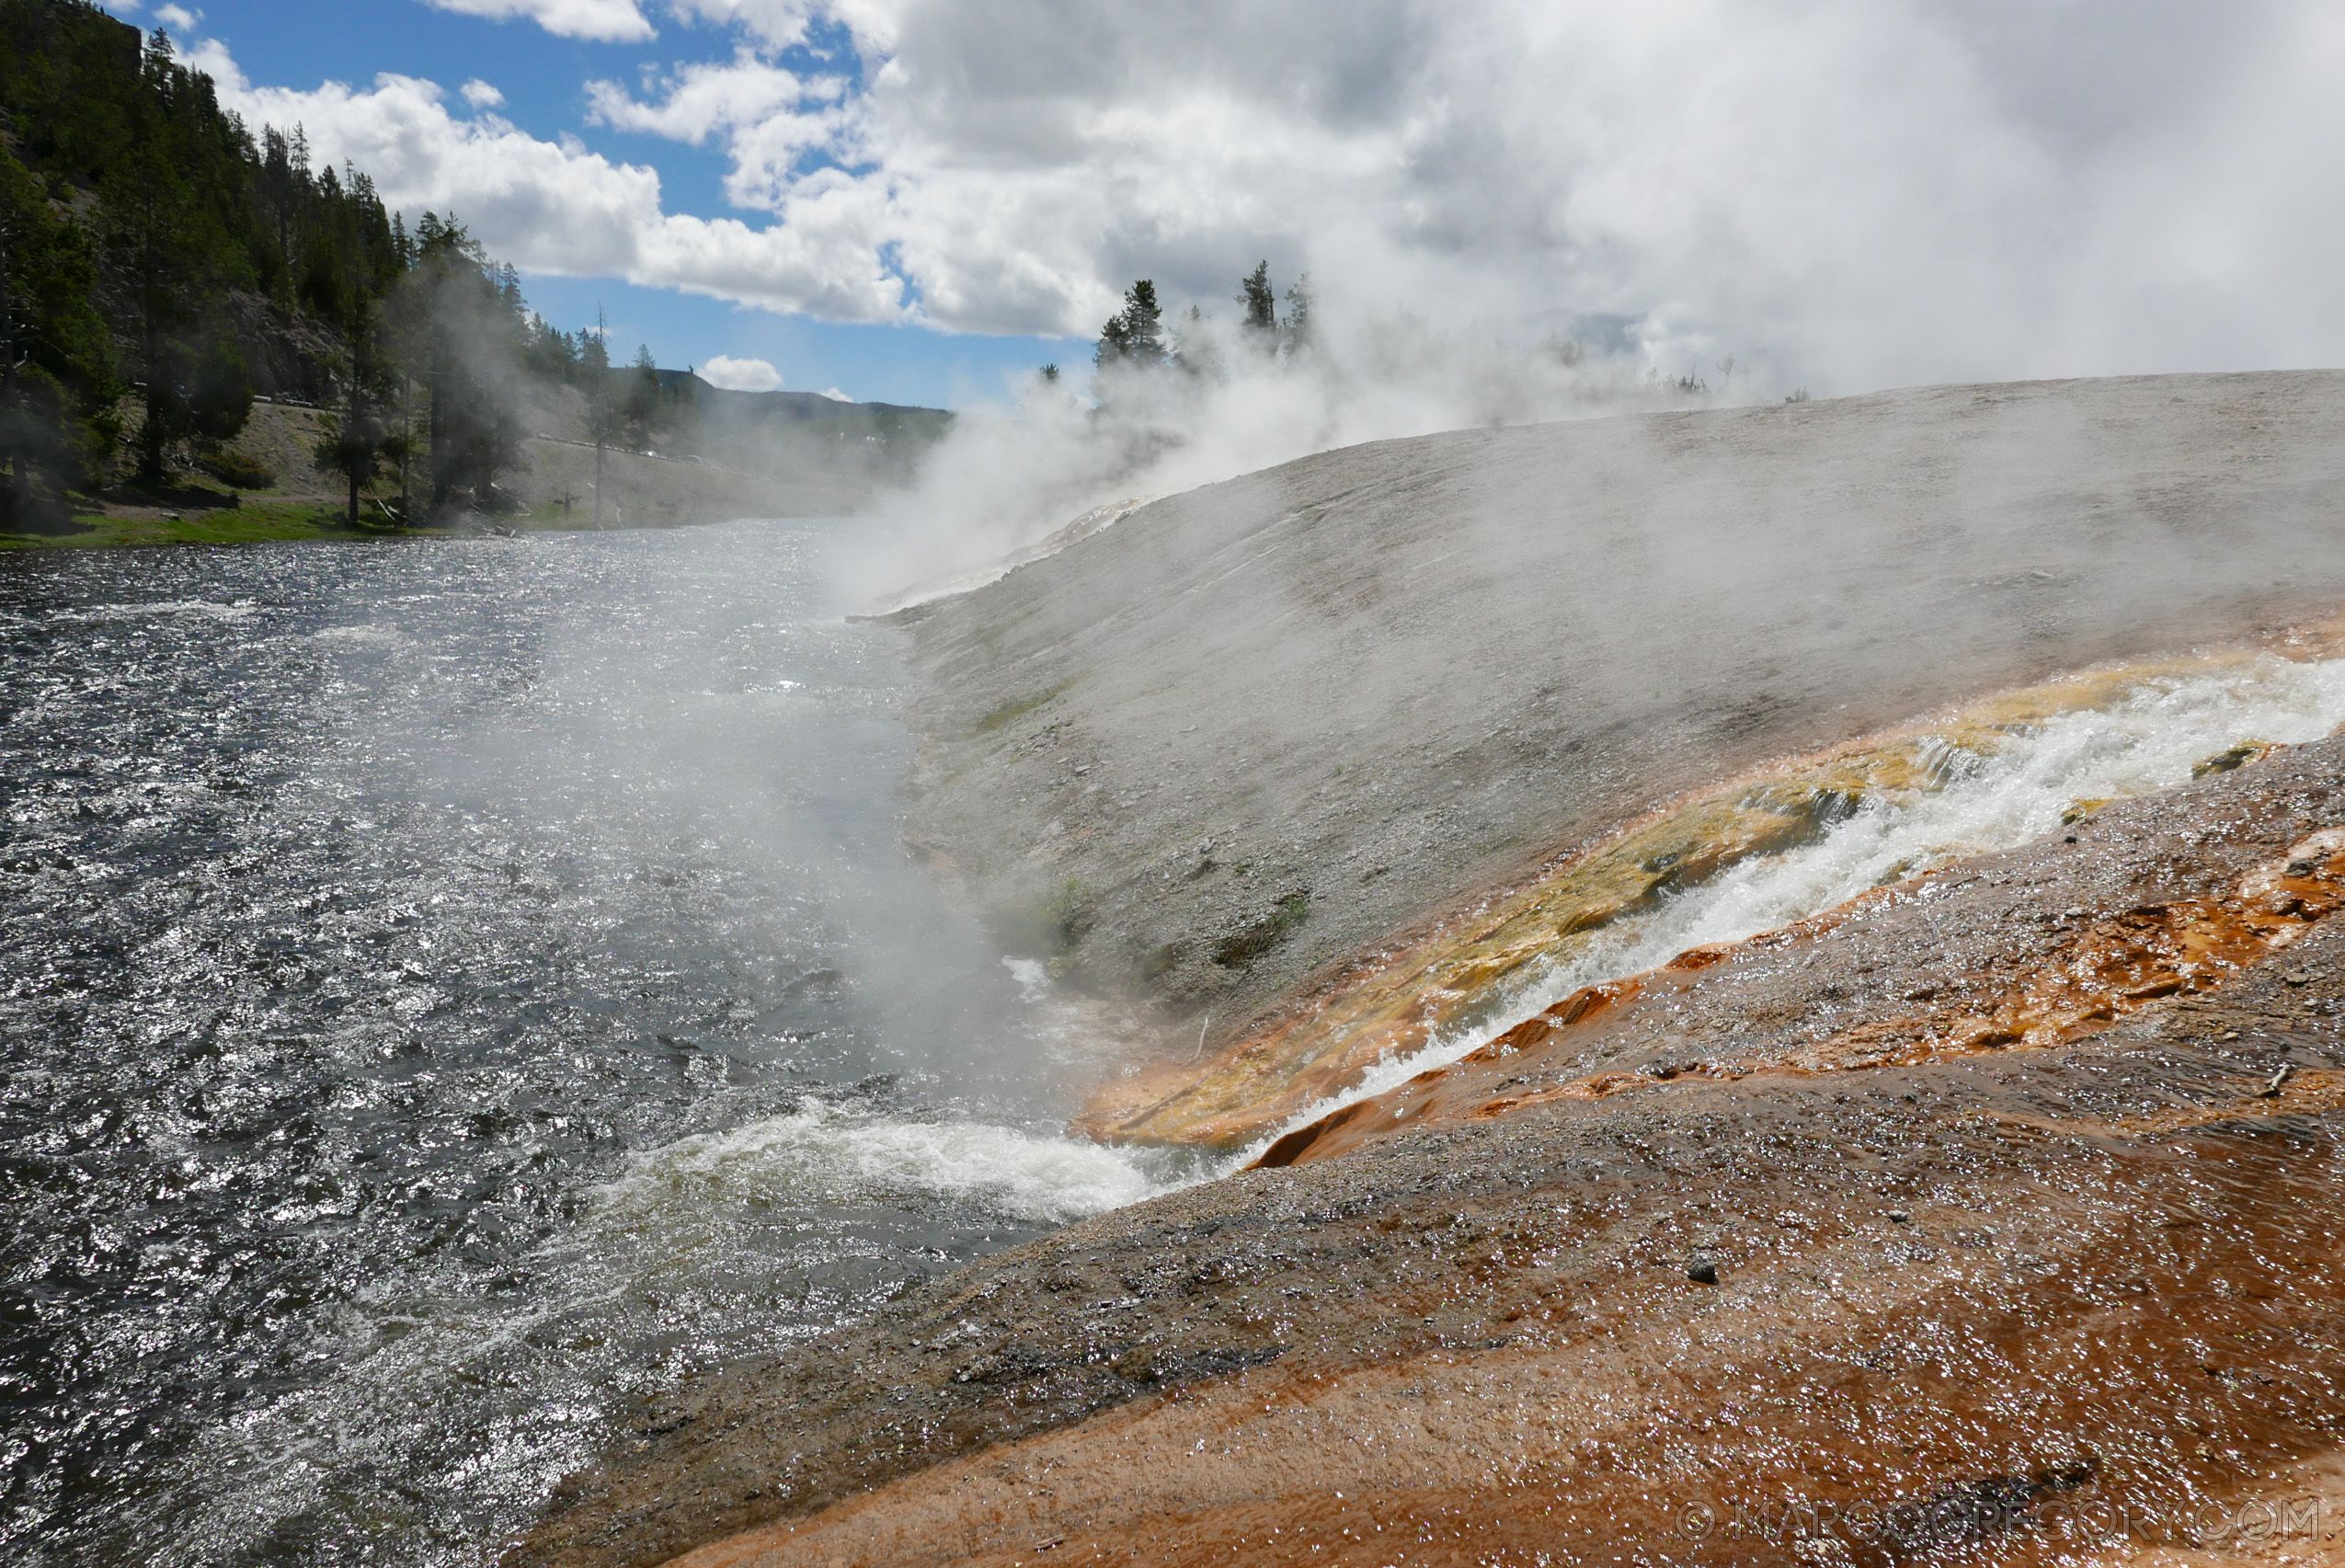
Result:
pixel 1461 971
pixel 1992 1219
pixel 1210 755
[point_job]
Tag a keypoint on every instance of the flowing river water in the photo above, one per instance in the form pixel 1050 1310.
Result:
pixel 449 989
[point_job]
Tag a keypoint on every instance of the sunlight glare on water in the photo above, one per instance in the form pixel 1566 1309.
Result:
pixel 449 991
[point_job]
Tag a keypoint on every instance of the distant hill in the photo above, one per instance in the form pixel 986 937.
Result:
pixel 162 263
pixel 789 408
pixel 155 250
pixel 796 434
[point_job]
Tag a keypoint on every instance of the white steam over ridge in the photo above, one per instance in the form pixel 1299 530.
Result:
pixel 1843 194
pixel 1015 481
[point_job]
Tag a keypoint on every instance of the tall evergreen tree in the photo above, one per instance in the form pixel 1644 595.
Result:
pixel 1134 335
pixel 154 253
pixel 356 437
pixel 1114 341
pixel 1299 300
pixel 594 365
pixel 643 400
pixel 1260 301
pixel 402 340
pixel 1144 323
pixel 57 384
pixel 469 363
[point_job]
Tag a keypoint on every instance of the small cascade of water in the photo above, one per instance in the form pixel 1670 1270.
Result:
pixel 1988 793
pixel 840 1155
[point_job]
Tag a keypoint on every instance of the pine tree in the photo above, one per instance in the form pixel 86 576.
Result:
pixel 469 363
pixel 402 338
pixel 1136 335
pixel 1114 341
pixel 594 365
pixel 57 384
pixel 643 405
pixel 1261 301
pixel 151 243
pixel 1143 325
pixel 276 189
pixel 1299 313
pixel 354 440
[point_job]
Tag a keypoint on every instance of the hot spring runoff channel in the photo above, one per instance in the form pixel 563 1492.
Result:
pixel 447 992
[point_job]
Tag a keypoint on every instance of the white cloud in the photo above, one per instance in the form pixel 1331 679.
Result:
pixel 1853 191
pixel 557 207
pixel 1847 192
pixel 610 20
pixel 703 99
pixel 740 375
pixel 480 95
pixel 178 19
pixel 768 118
pixel 836 395
pixel 780 23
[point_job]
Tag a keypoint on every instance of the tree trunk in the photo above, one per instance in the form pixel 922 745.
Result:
pixel 11 416
pixel 152 432
pixel 406 441
pixel 350 428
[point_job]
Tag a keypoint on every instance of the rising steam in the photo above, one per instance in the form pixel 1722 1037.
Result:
pixel 1013 475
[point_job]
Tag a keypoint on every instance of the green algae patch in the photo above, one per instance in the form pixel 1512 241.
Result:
pixel 1051 926
pixel 1008 711
pixel 1243 946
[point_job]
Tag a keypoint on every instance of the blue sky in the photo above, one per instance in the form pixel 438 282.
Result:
pixel 300 44
pixel 869 362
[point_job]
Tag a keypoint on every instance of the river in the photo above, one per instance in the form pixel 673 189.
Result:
pixel 451 990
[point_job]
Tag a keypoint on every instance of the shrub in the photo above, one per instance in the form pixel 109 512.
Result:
pixel 1245 946
pixel 237 470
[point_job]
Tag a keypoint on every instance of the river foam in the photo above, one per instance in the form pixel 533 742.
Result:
pixel 834 1154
